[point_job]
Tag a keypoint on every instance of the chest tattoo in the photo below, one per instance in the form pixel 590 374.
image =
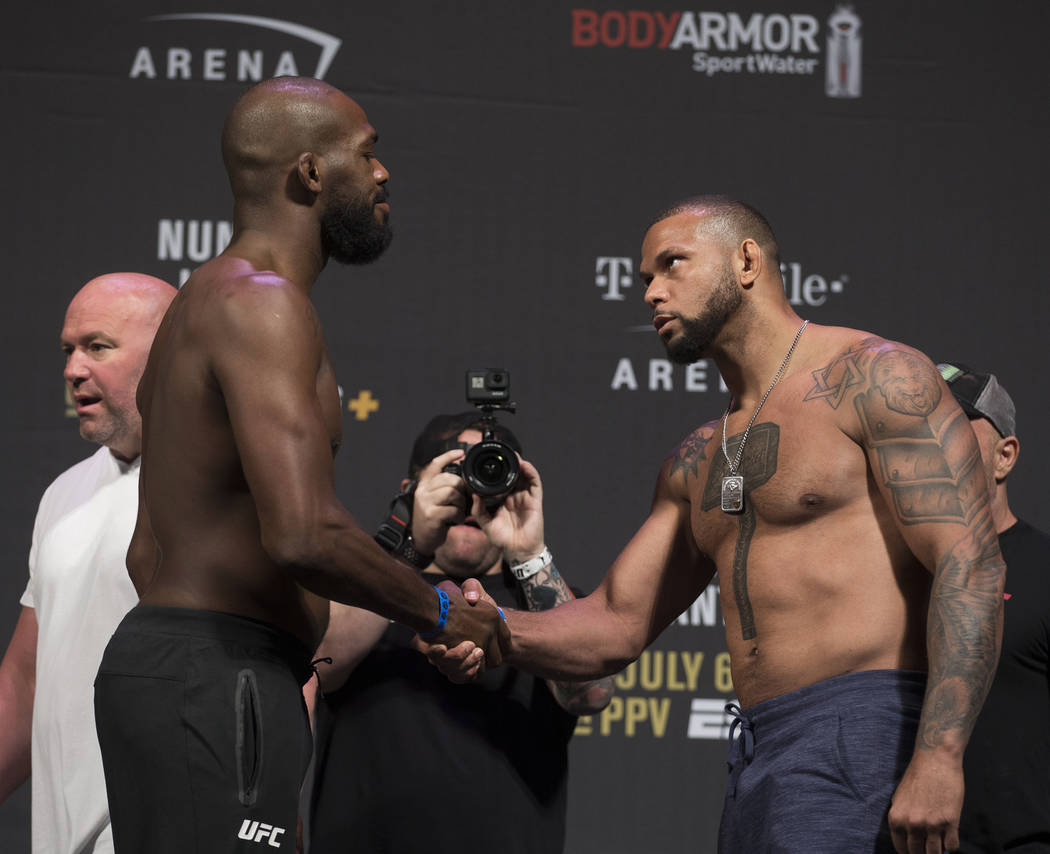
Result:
pixel 757 467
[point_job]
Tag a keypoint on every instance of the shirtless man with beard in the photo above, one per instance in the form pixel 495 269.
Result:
pixel 842 503
pixel 240 540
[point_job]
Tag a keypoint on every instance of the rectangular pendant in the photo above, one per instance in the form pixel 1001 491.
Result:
pixel 732 493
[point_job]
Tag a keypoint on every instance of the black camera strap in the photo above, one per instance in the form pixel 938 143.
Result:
pixel 395 532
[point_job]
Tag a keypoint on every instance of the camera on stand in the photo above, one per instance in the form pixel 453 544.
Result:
pixel 490 468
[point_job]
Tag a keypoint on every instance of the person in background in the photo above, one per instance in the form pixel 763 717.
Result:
pixel 389 726
pixel 79 589
pixel 1007 763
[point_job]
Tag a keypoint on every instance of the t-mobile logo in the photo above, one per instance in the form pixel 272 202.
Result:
pixel 612 273
pixel 255 831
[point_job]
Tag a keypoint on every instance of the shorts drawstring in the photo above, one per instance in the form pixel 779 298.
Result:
pixel 313 666
pixel 742 744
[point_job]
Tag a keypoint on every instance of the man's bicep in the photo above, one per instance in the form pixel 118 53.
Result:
pixel 660 571
pixel 267 373
pixel 937 497
pixel 923 455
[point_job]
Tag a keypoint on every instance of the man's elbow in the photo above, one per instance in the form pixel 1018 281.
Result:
pixel 292 548
pixel 302 543
pixel 594 698
pixel 310 538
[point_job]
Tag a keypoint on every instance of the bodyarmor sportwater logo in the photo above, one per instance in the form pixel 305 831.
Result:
pixel 234 63
pixel 843 65
pixel 777 43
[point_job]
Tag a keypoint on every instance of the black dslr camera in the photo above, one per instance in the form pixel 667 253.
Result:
pixel 490 468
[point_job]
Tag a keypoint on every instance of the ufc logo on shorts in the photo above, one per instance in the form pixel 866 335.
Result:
pixel 255 831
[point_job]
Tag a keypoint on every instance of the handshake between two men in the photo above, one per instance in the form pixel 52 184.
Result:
pixel 470 532
pixel 470 509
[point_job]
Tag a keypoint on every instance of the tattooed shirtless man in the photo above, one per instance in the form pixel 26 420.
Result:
pixel 842 504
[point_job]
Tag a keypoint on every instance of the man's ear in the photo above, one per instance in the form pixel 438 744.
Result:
pixel 308 169
pixel 750 262
pixel 1006 453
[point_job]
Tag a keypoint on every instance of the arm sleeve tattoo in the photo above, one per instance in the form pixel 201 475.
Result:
pixel 543 591
pixel 928 465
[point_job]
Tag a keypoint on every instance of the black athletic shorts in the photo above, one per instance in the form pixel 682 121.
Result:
pixel 204 733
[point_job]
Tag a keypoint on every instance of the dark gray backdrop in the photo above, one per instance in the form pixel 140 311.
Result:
pixel 528 146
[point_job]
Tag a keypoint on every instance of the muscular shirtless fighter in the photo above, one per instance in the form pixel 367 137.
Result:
pixel 841 502
pixel 240 538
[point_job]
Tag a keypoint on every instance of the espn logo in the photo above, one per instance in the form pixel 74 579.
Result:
pixel 255 831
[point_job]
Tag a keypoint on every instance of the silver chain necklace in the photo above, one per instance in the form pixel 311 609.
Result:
pixel 733 483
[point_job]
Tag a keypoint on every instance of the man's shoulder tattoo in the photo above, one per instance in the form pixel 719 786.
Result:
pixel 909 384
pixel 687 457
pixel 849 369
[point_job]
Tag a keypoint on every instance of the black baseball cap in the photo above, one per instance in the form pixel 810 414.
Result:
pixel 441 433
pixel 981 396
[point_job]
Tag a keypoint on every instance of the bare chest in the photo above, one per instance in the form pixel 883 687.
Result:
pixel 791 471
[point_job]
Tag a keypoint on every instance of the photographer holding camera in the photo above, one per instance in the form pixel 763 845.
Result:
pixel 397 743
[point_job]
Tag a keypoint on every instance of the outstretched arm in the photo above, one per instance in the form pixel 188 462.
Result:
pixel 652 581
pixel 352 632
pixel 270 362
pixel 518 528
pixel 543 591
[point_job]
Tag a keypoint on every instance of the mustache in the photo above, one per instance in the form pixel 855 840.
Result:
pixel 382 196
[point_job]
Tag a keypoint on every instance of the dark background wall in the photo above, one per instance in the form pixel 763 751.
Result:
pixel 529 143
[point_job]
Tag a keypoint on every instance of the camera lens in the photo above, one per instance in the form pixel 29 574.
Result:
pixel 490 468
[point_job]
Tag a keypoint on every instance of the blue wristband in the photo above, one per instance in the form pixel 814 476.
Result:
pixel 442 616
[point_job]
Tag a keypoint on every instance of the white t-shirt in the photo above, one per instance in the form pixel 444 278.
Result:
pixel 80 590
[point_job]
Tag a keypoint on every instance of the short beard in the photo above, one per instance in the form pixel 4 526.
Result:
pixel 350 233
pixel 699 332
pixel 107 430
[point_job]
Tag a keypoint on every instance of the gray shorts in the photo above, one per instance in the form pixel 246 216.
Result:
pixel 814 770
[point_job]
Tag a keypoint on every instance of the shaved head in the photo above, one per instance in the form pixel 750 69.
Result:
pixel 137 295
pixel 277 120
pixel 295 143
pixel 729 220
pixel 106 337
